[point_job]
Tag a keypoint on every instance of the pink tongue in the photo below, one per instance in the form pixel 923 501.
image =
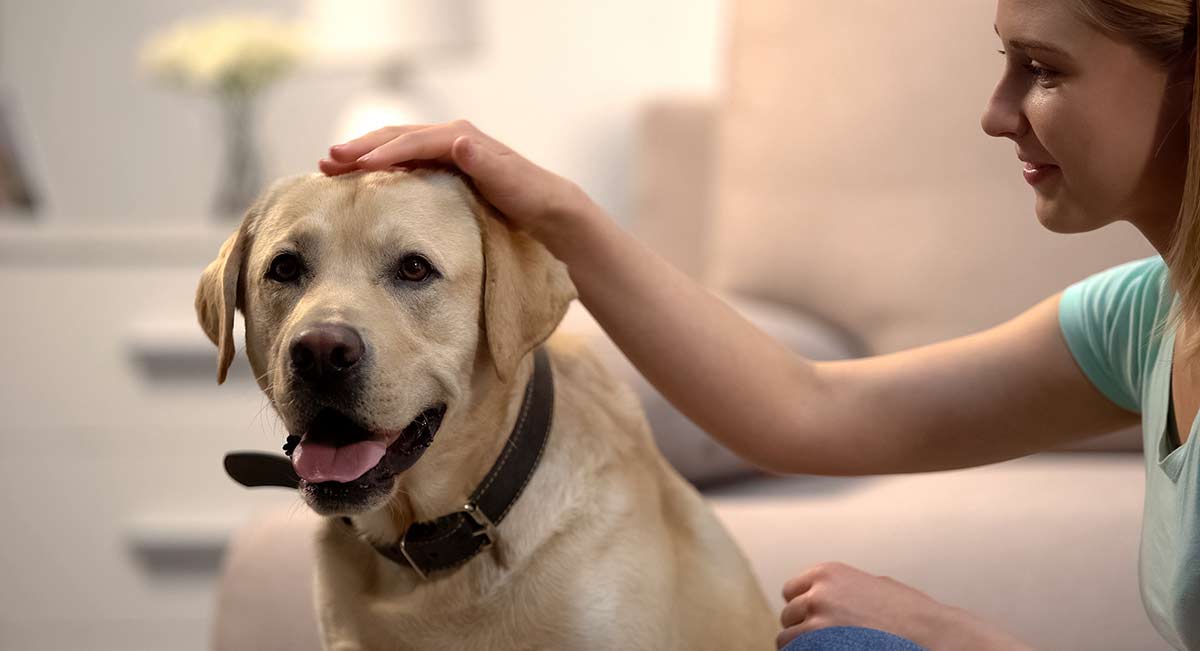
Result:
pixel 316 462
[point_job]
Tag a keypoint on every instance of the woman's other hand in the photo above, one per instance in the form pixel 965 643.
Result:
pixel 835 594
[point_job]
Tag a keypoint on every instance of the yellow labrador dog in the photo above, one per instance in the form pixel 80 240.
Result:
pixel 486 486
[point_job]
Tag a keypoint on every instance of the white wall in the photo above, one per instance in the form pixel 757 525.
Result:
pixel 558 80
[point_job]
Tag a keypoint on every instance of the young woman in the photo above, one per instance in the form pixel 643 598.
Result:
pixel 1099 98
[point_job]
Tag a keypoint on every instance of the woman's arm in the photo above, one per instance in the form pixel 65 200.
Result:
pixel 994 395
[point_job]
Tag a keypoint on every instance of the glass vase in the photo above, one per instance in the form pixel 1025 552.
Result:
pixel 240 176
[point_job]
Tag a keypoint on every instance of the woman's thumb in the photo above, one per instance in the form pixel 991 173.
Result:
pixel 469 156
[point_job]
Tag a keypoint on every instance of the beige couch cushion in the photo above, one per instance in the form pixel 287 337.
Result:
pixel 1046 546
pixel 853 179
pixel 671 178
pixel 264 599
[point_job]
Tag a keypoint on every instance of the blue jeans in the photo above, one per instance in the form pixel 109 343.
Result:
pixel 850 638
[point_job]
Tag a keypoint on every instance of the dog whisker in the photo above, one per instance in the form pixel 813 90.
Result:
pixel 266 394
pixel 296 507
pixel 258 415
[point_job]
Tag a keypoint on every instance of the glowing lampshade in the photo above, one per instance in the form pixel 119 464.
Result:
pixel 355 33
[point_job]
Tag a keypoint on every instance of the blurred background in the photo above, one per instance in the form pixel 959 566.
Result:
pixel 558 80
pixel 119 124
pixel 819 164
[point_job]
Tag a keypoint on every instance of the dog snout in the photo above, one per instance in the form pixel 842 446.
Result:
pixel 326 353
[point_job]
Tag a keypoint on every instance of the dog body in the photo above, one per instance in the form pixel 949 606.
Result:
pixel 607 547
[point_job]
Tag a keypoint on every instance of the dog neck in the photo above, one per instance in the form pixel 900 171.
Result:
pixel 470 441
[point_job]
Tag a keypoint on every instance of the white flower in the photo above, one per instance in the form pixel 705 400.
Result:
pixel 231 53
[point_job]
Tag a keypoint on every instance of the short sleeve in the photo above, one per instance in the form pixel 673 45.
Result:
pixel 1108 320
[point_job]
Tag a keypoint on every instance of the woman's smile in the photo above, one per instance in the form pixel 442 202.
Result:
pixel 1036 173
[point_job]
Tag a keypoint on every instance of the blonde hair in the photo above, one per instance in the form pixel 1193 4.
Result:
pixel 1165 30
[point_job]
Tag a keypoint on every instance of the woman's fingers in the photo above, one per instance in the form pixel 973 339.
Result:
pixel 798 585
pixel 449 143
pixel 333 168
pixel 795 612
pixel 350 151
pixel 426 144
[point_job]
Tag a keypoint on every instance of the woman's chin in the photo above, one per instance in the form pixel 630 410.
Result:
pixel 1056 218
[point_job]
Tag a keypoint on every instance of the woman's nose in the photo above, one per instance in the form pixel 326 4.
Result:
pixel 1003 118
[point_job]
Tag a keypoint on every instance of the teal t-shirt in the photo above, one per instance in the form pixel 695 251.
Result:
pixel 1108 321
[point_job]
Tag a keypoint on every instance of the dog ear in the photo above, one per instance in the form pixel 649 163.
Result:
pixel 219 293
pixel 217 296
pixel 526 290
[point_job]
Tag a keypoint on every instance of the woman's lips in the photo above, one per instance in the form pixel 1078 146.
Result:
pixel 1035 173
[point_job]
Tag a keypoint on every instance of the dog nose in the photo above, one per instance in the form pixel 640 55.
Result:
pixel 326 352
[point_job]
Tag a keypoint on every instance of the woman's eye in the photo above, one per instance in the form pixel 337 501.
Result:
pixel 414 268
pixel 1042 74
pixel 285 268
pixel 1039 73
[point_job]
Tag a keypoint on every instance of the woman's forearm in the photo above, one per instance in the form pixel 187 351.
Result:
pixel 750 392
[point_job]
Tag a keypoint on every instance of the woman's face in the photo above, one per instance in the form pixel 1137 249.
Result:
pixel 1104 137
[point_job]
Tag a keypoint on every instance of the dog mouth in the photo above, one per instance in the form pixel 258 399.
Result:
pixel 337 457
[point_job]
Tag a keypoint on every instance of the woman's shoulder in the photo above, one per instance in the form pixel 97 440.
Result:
pixel 1136 284
pixel 1110 320
pixel 1151 266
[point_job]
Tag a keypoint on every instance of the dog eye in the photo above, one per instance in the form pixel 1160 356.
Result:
pixel 414 268
pixel 285 268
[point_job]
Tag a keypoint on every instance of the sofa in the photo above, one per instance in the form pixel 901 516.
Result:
pixel 840 194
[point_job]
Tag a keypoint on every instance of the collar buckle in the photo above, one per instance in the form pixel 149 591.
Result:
pixel 487 529
pixel 411 563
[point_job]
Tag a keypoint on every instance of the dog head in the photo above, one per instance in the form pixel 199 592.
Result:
pixel 371 303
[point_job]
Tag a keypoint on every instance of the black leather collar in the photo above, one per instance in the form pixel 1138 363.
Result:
pixel 453 539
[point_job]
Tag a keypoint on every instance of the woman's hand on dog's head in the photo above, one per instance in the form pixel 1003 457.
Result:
pixel 531 197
